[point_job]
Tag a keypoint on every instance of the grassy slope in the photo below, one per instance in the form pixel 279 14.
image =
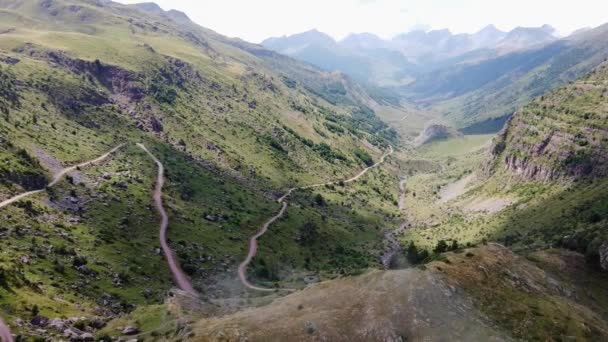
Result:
pixel 232 130
pixel 548 295
pixel 557 184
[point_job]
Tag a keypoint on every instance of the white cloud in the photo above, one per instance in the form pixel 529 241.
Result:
pixel 255 20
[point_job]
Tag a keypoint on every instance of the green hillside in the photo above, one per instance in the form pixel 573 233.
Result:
pixel 234 127
pixel 469 93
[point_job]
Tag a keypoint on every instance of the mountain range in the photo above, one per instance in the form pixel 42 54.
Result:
pixel 473 81
pixel 160 181
pixel 363 55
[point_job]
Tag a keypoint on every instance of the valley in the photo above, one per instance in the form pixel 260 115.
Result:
pixel 160 181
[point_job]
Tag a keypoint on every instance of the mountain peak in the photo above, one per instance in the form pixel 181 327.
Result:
pixel 548 29
pixel 149 7
pixel 178 16
pixel 363 40
pixel 489 29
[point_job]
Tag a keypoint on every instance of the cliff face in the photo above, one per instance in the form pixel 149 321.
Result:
pixel 563 135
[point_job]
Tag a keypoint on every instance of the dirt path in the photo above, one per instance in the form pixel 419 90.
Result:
pixel 391 235
pixel 18 197
pixel 180 278
pixel 5 332
pixel 57 177
pixel 67 170
pixel 253 242
pixel 253 248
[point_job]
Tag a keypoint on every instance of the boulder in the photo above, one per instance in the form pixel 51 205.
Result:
pixel 19 322
pixel 87 337
pixel 129 330
pixel 97 323
pixel 71 334
pixel 40 321
pixel 58 324
pixel 157 126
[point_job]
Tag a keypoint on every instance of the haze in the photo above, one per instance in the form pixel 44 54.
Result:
pixel 257 20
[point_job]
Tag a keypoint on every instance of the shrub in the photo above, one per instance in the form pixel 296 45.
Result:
pixel 364 157
pixel 441 247
pixel 79 260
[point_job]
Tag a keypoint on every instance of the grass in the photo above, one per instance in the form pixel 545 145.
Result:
pixel 233 136
pixel 455 147
pixel 523 297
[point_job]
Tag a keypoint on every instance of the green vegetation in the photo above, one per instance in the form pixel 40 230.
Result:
pixel 364 157
pixel 228 134
pixel 456 147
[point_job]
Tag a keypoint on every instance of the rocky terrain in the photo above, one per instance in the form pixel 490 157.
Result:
pixel 561 135
pixel 159 181
pixel 435 132
pixel 526 299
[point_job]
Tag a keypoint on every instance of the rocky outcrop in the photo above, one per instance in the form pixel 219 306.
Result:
pixel 528 169
pixel 435 132
pixel 560 136
pixel 114 78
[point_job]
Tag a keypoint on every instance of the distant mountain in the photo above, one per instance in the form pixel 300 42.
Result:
pixel 363 41
pixel 296 43
pixel 523 37
pixel 488 36
pixel 152 8
pixel 402 59
pixel 468 93
pixel 362 56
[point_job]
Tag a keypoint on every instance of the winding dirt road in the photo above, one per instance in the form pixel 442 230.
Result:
pixel 5 332
pixel 253 242
pixel 253 248
pixel 57 177
pixel 179 277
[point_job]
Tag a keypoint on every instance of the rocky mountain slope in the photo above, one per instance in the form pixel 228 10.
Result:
pixel 434 132
pixel 470 93
pixel 406 56
pixel 98 99
pixel 546 296
pixel 560 135
pixel 557 146
pixel 235 125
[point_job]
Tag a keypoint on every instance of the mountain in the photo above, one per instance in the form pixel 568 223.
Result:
pixel 569 140
pixel 292 45
pixel 363 41
pixel 407 56
pixel 232 124
pixel 558 145
pixel 362 56
pixel 160 181
pixel 522 297
pixel 488 36
pixel 523 37
pixel 470 93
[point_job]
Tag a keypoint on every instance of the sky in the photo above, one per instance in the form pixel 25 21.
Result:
pixel 255 20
